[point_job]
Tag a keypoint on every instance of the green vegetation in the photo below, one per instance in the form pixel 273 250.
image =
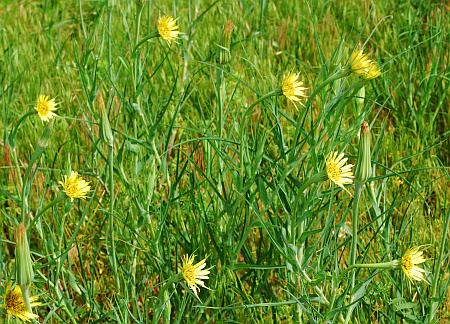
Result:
pixel 186 153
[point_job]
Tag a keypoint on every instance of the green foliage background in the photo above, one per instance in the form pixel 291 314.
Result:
pixel 193 170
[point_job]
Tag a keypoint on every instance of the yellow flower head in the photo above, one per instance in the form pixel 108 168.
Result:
pixel 292 88
pixel 194 273
pixel 363 66
pixel 410 260
pixel 337 171
pixel 75 186
pixel 168 29
pixel 45 108
pixel 360 62
pixel 373 72
pixel 15 306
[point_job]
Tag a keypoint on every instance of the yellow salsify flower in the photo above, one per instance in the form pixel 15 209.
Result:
pixel 373 72
pixel 75 186
pixel 15 306
pixel 410 259
pixel 337 171
pixel 363 66
pixel 45 108
pixel 194 273
pixel 168 29
pixel 292 88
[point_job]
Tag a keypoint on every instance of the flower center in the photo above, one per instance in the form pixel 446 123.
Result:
pixel 189 274
pixel 288 88
pixel 14 302
pixel 164 30
pixel 407 265
pixel 333 171
pixel 72 189
pixel 42 108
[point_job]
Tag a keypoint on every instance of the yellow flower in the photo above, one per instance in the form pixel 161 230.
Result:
pixel 292 88
pixel 168 29
pixel 193 274
pixel 14 304
pixel 75 186
pixel 363 66
pixel 45 108
pixel 410 260
pixel 373 72
pixel 337 170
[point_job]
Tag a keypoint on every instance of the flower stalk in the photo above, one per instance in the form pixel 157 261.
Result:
pixel 363 172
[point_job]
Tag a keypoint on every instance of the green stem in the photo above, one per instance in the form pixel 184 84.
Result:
pixel 173 279
pixel 153 34
pixel 268 95
pixel 355 215
pixel 110 140
pixel 380 265
pixel 317 289
pixel 336 76
pixel 55 201
pixel 17 167
pixel 111 213
pixel 12 135
pixel 331 78
pixel 354 247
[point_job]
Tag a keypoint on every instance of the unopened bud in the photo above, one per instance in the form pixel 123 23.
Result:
pixel 224 49
pixel 73 254
pixel 364 166
pixel 24 265
pixel 43 141
pixel 107 134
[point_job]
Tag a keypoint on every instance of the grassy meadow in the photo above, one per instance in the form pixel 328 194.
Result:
pixel 193 148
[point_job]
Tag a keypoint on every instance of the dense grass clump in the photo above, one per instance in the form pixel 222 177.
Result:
pixel 215 161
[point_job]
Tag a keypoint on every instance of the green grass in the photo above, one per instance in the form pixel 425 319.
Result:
pixel 188 168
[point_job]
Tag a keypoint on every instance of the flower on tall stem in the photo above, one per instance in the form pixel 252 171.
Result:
pixel 337 171
pixel 292 88
pixel 75 186
pixel 45 108
pixel 409 263
pixel 363 66
pixel 194 274
pixel 168 29
pixel 15 306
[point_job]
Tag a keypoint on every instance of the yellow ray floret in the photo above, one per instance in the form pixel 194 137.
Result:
pixel 337 171
pixel 411 258
pixel 292 88
pixel 15 306
pixel 75 186
pixel 168 29
pixel 45 108
pixel 363 66
pixel 194 274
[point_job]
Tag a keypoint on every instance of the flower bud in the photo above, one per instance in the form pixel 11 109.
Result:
pixel 364 165
pixel 107 134
pixel 224 48
pixel 24 265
